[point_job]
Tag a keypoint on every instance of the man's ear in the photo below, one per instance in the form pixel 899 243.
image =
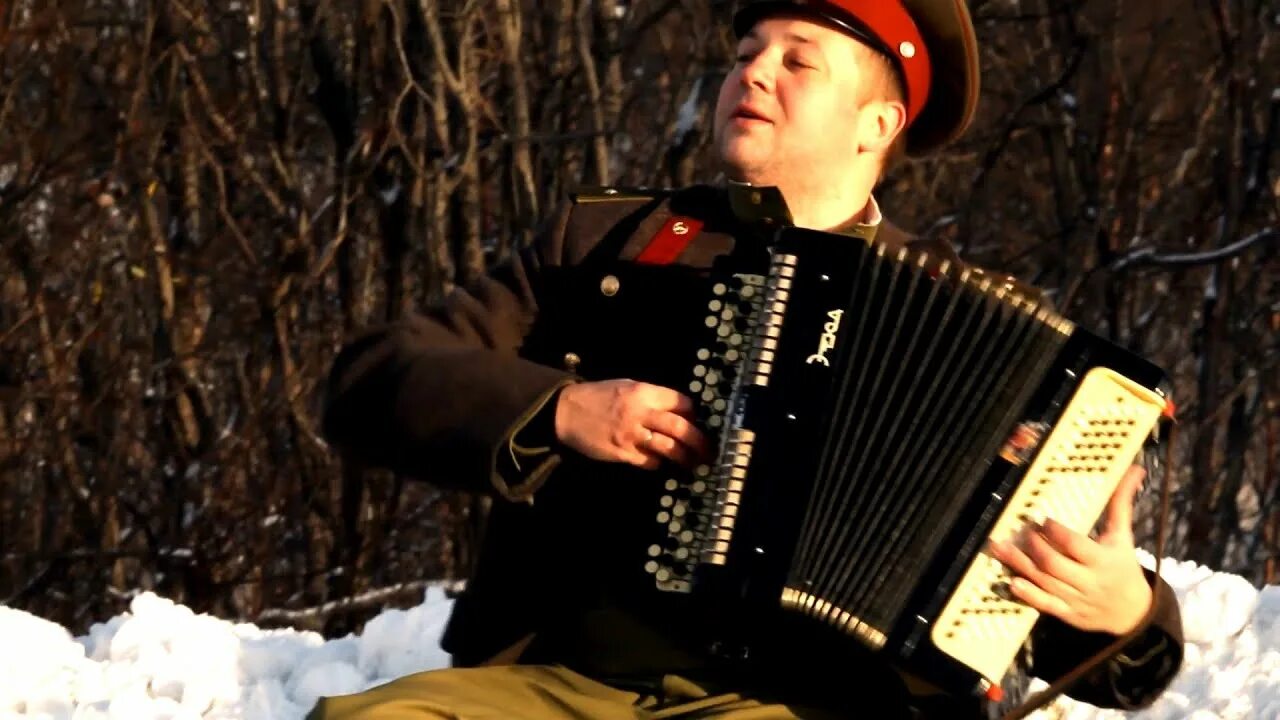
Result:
pixel 879 124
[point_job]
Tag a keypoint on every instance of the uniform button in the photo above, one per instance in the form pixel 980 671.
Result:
pixel 572 361
pixel 609 285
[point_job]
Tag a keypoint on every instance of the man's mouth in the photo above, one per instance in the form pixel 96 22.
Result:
pixel 745 112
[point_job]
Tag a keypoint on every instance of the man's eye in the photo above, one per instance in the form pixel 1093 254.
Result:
pixel 745 57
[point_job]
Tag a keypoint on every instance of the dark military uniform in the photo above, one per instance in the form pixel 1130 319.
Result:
pixel 463 396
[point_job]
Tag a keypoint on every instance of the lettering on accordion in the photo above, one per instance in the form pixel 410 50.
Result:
pixel 1072 478
pixel 695 512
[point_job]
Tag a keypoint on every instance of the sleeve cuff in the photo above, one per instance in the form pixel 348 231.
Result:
pixel 532 451
pixel 1140 674
pixel 1144 668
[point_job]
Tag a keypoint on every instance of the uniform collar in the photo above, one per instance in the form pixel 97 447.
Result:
pixel 754 205
pixel 868 228
pixel 875 217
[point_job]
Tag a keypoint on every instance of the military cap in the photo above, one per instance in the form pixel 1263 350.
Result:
pixel 931 42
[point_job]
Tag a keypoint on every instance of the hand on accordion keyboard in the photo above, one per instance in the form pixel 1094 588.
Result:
pixel 630 422
pixel 1092 584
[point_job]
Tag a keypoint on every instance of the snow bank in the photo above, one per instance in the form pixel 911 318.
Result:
pixel 161 661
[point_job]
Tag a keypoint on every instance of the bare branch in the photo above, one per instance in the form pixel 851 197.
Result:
pixel 1149 257
pixel 362 601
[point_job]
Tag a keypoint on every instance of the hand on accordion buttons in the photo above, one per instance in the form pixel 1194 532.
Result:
pixel 1092 584
pixel 630 422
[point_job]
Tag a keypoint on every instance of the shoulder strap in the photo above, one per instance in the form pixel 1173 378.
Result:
pixel 602 220
pixel 596 194
pixel 670 240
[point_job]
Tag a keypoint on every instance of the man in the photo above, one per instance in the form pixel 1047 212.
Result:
pixel 552 384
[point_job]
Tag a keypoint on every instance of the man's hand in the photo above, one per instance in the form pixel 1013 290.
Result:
pixel 1094 585
pixel 630 422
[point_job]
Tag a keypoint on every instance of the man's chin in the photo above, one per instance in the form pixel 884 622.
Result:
pixel 742 167
pixel 750 176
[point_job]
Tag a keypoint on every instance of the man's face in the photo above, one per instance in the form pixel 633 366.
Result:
pixel 789 107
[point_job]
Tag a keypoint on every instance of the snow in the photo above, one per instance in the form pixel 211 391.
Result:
pixel 688 115
pixel 161 661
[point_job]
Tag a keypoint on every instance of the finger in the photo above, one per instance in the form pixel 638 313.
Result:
pixel 1023 565
pixel 681 430
pixel 1056 572
pixel 1040 599
pixel 1080 548
pixel 1118 525
pixel 656 397
pixel 668 447
pixel 642 458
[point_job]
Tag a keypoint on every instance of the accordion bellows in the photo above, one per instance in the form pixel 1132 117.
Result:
pixel 882 416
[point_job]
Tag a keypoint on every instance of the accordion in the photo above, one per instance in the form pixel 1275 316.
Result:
pixel 881 415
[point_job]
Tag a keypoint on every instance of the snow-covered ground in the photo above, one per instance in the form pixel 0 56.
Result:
pixel 162 661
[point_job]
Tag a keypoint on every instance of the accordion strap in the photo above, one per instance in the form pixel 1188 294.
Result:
pixel 1068 680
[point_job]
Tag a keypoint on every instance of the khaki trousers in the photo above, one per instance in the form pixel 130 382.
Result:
pixel 541 692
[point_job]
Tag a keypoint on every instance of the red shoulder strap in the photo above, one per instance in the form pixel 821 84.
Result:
pixel 670 241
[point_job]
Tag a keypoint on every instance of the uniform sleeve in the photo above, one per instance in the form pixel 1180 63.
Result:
pixel 1132 680
pixel 443 395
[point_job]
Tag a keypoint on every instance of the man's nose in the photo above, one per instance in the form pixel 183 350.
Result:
pixel 758 73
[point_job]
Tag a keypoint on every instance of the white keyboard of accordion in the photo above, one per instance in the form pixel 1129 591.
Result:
pixel 759 365
pixel 1071 480
pixel 692 507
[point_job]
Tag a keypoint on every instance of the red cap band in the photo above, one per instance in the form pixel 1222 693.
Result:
pixel 889 21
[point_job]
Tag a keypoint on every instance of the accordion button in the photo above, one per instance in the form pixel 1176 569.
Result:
pixel 571 361
pixel 610 285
